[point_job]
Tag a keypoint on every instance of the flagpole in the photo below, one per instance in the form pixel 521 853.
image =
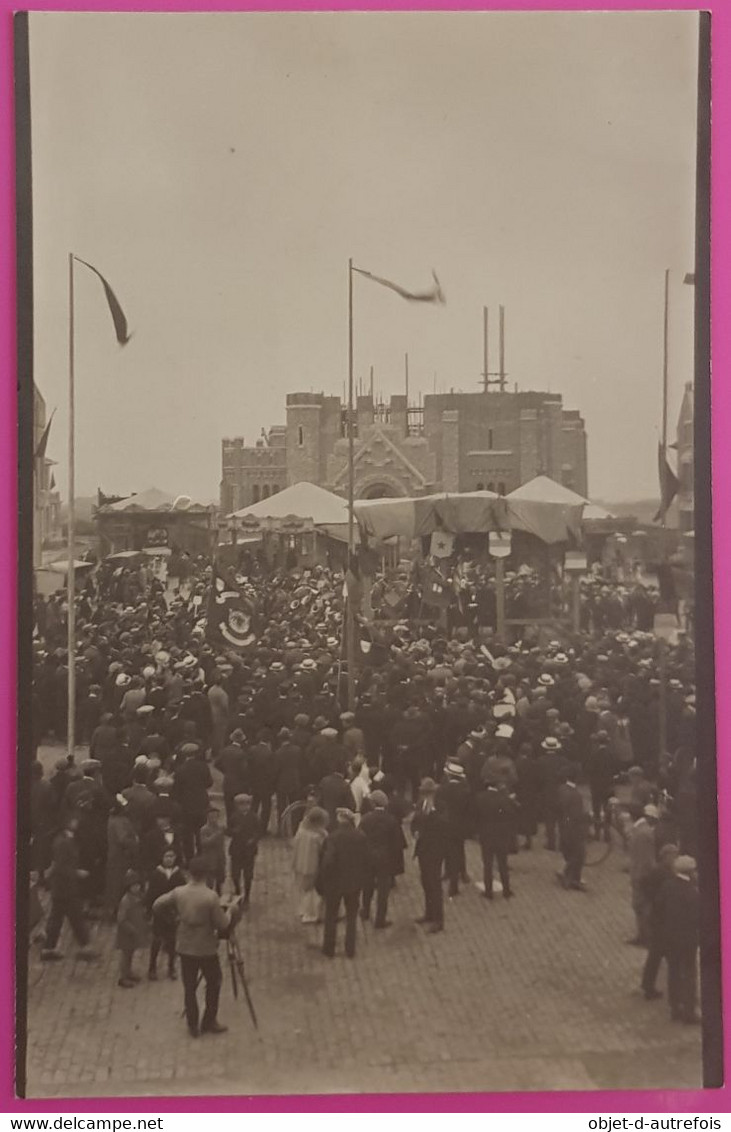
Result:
pixel 71 572
pixel 350 612
pixel 662 655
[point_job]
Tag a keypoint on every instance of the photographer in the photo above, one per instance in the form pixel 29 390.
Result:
pixel 201 923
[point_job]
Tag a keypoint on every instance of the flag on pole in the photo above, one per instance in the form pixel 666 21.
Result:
pixel 115 308
pixel 669 484
pixel 40 451
pixel 230 621
pixel 435 294
pixel 435 589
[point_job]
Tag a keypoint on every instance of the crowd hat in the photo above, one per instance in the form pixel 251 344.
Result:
pixel 427 786
pixel 685 864
pixel 90 766
pixel 345 815
pixel 651 811
pixel 379 799
pixel 551 743
pixel 454 770
pixel 504 731
pixel 239 798
pixel 478 733
pixel 123 680
pixel 546 680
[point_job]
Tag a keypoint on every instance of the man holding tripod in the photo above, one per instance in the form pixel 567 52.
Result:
pixel 201 923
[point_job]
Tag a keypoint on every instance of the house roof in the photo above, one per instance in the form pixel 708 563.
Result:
pixel 543 489
pixel 303 499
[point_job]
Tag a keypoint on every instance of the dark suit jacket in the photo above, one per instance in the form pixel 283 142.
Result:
pixel 192 782
pixel 386 841
pixel 678 915
pixel 345 862
pixel 497 818
pixel 432 835
pixel 334 793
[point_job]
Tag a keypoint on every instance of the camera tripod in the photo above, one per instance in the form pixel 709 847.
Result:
pixel 238 976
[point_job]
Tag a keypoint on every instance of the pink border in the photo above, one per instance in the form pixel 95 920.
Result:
pixel 644 1101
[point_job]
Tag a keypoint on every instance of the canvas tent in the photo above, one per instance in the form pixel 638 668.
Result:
pixel 543 489
pixel 327 512
pixel 471 512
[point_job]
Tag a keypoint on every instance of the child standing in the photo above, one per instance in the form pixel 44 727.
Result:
pixel 213 851
pixel 163 878
pixel 132 928
pixel 245 831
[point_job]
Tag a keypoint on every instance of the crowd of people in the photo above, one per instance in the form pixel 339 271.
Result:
pixel 453 735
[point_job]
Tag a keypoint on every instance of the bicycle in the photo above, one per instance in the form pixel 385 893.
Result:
pixel 614 833
pixel 290 819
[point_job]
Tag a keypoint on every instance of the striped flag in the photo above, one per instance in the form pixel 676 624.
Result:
pixel 435 294
pixel 115 308
pixel 669 484
pixel 40 451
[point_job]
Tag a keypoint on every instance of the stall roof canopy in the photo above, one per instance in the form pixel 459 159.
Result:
pixel 471 512
pixel 152 499
pixel 543 489
pixel 305 501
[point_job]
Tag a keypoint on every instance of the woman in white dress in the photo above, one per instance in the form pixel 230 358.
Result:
pixel 307 845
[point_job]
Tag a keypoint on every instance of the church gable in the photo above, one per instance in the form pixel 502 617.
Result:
pixel 382 466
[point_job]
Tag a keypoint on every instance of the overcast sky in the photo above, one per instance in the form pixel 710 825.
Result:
pixel 220 169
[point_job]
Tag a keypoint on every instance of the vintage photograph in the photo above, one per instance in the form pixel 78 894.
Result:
pixel 359 749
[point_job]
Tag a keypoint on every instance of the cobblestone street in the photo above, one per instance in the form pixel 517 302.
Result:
pixel 535 993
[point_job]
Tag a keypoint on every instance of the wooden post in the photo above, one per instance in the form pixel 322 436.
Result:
pixel 500 596
pixel 576 603
pixel 502 349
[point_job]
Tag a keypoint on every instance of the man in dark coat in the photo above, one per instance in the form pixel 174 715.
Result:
pixel 289 760
pixel 192 783
pixel 344 868
pixel 66 877
pixel 86 799
pixel 264 771
pixel 386 844
pixel 233 763
pixel 42 819
pixel 572 830
pixel 679 914
pixel 431 831
pixel 552 773
pixel 652 886
pixel 334 793
pixel 600 770
pixel 528 793
pixel 496 814
pixel 454 799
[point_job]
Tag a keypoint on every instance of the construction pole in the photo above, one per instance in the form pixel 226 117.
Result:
pixel 350 611
pixel 485 353
pixel 502 349
pixel 371 383
pixel 406 383
pixel 71 572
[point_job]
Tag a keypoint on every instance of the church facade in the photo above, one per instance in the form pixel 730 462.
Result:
pixel 452 442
